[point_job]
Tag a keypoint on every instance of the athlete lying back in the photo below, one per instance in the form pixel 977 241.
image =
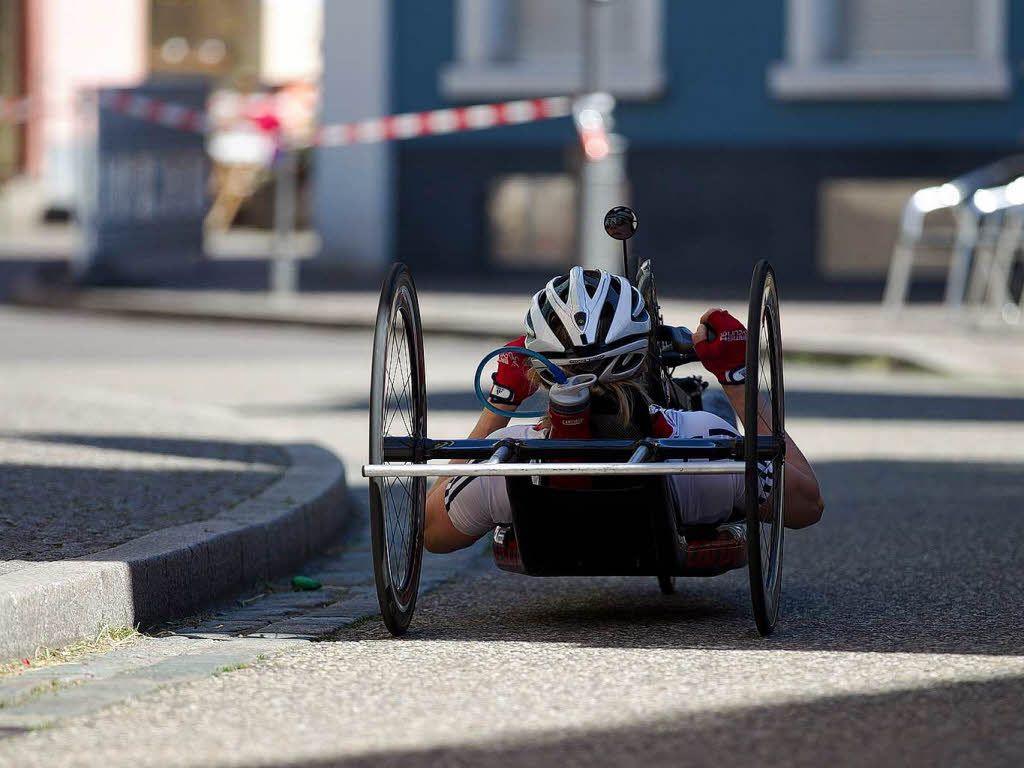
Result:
pixel 598 321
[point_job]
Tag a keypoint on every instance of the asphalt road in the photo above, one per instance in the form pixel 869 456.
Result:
pixel 901 643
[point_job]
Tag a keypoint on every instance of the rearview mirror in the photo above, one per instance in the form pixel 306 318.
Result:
pixel 620 222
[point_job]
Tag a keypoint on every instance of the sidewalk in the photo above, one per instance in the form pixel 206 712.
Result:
pixel 118 511
pixel 922 336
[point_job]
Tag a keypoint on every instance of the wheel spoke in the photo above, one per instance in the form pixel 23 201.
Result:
pixel 397 533
pixel 402 398
pixel 396 398
pixel 389 393
pixel 399 400
pixel 399 495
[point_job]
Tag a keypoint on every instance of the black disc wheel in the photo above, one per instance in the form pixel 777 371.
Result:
pixel 398 409
pixel 765 416
pixel 667 584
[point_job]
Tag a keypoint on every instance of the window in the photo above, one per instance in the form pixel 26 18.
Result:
pixel 523 232
pixel 511 48
pixel 877 49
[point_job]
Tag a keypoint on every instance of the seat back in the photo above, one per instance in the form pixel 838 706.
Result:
pixel 620 527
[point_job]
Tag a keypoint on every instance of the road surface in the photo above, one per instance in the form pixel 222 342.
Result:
pixel 901 642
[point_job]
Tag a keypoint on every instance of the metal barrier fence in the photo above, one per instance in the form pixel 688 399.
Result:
pixel 988 209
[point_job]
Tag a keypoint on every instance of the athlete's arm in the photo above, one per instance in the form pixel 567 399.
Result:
pixel 512 385
pixel 724 357
pixel 803 502
pixel 439 534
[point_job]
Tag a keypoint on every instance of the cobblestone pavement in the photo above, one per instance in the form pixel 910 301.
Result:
pixel 900 642
pixel 275 619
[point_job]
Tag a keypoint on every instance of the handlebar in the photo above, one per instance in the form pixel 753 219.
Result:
pixel 675 345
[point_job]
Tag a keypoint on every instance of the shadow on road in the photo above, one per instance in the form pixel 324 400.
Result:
pixel 911 557
pixel 975 723
pixel 817 404
pixel 164 446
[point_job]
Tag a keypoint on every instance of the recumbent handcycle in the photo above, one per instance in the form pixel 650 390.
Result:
pixel 623 524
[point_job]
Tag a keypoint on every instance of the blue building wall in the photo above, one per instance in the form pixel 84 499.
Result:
pixel 716 58
pixel 695 154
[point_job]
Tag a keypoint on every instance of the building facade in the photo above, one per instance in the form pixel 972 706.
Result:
pixel 739 117
pixel 55 52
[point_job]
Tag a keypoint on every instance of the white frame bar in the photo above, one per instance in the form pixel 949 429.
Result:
pixel 568 468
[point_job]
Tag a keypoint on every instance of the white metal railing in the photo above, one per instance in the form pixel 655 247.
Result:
pixel 998 248
pixel 977 200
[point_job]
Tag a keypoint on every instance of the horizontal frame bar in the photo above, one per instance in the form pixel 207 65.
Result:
pixel 418 450
pixel 540 470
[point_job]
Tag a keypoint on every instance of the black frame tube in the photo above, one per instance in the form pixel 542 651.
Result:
pixel 404 449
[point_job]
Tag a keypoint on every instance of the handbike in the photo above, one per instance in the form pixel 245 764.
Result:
pixel 560 531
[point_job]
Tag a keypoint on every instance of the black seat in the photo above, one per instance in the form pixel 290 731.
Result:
pixel 620 527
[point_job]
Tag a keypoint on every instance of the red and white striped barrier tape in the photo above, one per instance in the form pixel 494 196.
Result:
pixel 14 111
pixel 155 111
pixel 394 127
pixel 292 108
pixel 412 125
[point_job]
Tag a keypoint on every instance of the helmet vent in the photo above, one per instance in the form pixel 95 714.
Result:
pixel 581 319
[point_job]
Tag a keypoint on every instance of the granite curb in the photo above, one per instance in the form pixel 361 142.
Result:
pixel 176 571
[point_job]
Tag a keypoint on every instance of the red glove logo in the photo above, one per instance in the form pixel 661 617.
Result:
pixel 725 353
pixel 511 384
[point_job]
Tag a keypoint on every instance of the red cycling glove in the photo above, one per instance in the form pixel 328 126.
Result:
pixel 511 384
pixel 725 355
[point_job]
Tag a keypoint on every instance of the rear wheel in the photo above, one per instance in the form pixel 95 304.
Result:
pixel 765 415
pixel 398 408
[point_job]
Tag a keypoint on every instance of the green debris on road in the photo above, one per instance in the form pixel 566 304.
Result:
pixel 305 583
pixel 230 668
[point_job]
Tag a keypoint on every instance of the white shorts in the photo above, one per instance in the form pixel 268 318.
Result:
pixel 477 504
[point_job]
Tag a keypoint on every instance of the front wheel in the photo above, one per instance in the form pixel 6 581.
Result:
pixel 398 408
pixel 765 416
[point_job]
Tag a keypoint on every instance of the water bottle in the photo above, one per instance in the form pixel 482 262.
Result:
pixel 569 413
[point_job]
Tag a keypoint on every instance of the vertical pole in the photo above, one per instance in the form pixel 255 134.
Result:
pixel 86 118
pixel 602 180
pixel 283 267
pixel 354 188
pixel 592 48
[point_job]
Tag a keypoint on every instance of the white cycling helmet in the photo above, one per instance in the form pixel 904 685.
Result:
pixel 592 321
